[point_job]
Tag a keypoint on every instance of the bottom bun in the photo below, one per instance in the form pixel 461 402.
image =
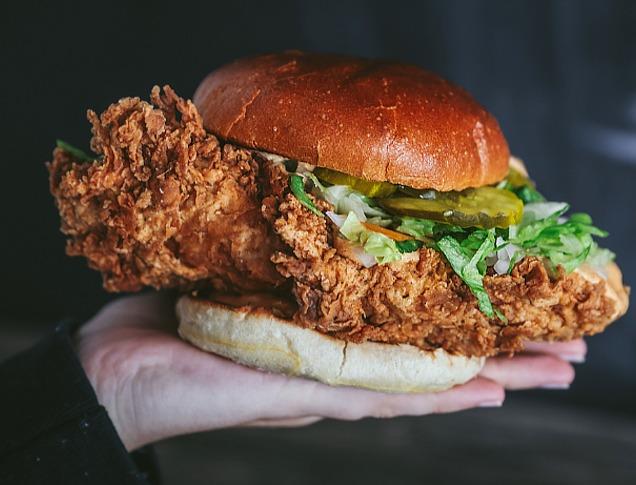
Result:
pixel 257 338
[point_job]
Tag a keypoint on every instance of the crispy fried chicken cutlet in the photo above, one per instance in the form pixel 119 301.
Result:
pixel 163 189
pixel 392 228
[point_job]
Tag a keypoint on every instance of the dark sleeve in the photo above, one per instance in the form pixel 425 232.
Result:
pixel 52 429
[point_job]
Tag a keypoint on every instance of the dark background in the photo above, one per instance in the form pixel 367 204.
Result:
pixel 559 75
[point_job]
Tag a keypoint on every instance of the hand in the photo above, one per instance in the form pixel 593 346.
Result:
pixel 154 385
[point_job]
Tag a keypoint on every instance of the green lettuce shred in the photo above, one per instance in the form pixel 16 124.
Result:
pixel 408 246
pixel 297 186
pixel 565 242
pixel 424 228
pixel 468 260
pixel 528 194
pixel 75 152
pixel 383 248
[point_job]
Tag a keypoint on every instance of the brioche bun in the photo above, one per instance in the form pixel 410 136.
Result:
pixel 257 338
pixel 378 120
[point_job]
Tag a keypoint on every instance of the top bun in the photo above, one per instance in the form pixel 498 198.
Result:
pixel 378 120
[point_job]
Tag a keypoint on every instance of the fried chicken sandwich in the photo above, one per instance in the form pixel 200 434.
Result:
pixel 354 221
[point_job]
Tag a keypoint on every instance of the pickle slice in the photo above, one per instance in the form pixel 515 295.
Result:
pixel 484 207
pixel 366 187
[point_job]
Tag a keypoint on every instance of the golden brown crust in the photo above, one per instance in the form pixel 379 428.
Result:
pixel 373 119
pixel 167 204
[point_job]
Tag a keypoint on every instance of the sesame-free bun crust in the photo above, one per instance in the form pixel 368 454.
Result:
pixel 256 338
pixel 373 119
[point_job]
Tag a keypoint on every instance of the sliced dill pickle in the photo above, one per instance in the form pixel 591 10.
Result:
pixel 481 207
pixel 366 187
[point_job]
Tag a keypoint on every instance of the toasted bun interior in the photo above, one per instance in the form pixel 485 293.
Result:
pixel 378 120
pixel 256 338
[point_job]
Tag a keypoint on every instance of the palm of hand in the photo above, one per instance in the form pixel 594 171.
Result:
pixel 154 385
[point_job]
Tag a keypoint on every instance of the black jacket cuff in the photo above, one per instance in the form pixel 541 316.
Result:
pixel 53 428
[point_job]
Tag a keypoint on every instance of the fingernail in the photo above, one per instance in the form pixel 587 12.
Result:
pixel 574 358
pixel 491 404
pixel 556 385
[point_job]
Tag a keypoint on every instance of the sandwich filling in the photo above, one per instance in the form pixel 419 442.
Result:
pixel 475 229
pixel 163 203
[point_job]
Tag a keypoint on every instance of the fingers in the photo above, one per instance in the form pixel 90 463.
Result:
pixel 526 371
pixel 573 351
pixel 283 423
pixel 543 364
pixel 352 404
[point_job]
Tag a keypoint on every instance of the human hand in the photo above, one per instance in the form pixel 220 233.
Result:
pixel 154 385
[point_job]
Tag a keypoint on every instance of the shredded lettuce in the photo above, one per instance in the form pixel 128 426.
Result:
pixel 358 209
pixel 352 227
pixel 345 199
pixel 424 228
pixel 383 248
pixel 297 186
pixel 380 221
pixel 528 194
pixel 408 246
pixel 537 211
pixel 335 194
pixel 561 241
pixel 468 260
pixel 352 203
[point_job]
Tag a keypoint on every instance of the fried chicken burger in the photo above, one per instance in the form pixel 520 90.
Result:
pixel 354 221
